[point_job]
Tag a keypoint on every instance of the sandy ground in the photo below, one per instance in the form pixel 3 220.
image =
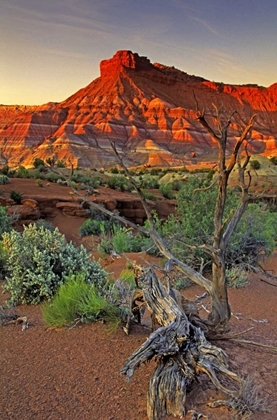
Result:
pixel 74 374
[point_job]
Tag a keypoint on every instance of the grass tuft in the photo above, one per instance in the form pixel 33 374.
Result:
pixel 248 401
pixel 77 301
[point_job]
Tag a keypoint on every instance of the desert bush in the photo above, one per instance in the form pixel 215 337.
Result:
pixel 149 182
pixel 122 239
pixel 93 227
pixel 167 191
pixel 113 170
pixel 38 173
pixel 177 185
pixel 254 237
pixel 4 180
pixel 38 163
pixel 62 182
pixel 236 277
pixel 148 195
pixel 5 170
pixel 127 275
pixel 40 260
pixel 61 164
pixel 93 181
pixel 78 301
pixel 52 177
pixel 39 183
pixel 77 177
pixel 5 221
pixel 16 196
pixel 119 182
pixel 45 224
pixel 87 180
pixel 155 171
pixel 5 226
pixel 255 164
pixel 22 172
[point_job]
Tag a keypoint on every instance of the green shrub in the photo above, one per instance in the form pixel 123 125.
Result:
pixel 61 164
pixel 38 173
pixel 149 182
pixel 5 221
pixel 38 163
pixel 16 196
pixel 93 227
pixel 113 170
pixel 236 277
pixel 177 185
pixel 22 172
pixel 255 164
pixel 39 183
pixel 128 275
pixel 52 177
pixel 45 224
pixel 5 226
pixel 254 236
pixel 167 191
pixel 4 180
pixel 155 171
pixel 78 301
pixel 123 240
pixel 148 195
pixel 38 262
pixel 119 182
pixel 62 182
pixel 5 170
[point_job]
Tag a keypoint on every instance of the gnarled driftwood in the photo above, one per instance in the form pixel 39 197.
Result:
pixel 181 351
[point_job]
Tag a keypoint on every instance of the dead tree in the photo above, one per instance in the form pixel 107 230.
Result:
pixel 180 346
pixel 181 351
pixel 223 228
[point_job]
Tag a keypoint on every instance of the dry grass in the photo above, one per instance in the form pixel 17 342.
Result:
pixel 246 402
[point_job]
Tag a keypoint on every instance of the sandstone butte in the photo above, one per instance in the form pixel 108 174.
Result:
pixel 149 112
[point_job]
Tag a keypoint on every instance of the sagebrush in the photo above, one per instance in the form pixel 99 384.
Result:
pixel 38 262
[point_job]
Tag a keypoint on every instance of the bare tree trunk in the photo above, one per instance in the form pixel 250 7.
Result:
pixel 221 312
pixel 181 351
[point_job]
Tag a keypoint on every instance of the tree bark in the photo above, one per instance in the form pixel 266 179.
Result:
pixel 181 351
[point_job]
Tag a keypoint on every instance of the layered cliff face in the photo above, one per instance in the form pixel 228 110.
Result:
pixel 147 110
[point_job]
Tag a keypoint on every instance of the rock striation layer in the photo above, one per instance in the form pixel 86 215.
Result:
pixel 149 112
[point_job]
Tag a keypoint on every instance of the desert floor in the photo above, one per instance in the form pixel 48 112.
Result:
pixel 74 374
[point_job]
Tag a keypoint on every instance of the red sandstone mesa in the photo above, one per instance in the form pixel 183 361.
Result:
pixel 148 109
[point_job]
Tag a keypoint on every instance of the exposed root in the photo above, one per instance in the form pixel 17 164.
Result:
pixel 246 402
pixel 11 317
pixel 181 351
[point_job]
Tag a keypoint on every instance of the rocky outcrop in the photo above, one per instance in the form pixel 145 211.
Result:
pixel 147 110
pixel 59 201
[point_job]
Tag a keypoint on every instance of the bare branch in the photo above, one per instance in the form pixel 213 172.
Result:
pixel 138 190
pixel 201 118
pixel 243 136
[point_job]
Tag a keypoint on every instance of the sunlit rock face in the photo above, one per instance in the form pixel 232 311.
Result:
pixel 149 111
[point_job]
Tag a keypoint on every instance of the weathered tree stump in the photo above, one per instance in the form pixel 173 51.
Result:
pixel 181 351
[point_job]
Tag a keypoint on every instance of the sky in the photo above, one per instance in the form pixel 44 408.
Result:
pixel 49 49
